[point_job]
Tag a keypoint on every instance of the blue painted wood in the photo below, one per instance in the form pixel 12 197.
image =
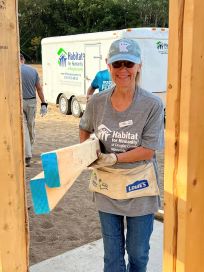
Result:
pixel 50 167
pixel 39 196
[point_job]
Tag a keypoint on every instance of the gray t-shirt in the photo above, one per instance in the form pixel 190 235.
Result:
pixel 141 124
pixel 29 80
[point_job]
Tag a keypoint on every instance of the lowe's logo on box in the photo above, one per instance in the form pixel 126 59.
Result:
pixel 137 185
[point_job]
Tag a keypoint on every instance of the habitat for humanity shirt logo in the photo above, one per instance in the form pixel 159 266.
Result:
pixel 120 141
pixel 103 132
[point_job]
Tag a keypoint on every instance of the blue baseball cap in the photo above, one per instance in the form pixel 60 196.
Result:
pixel 124 49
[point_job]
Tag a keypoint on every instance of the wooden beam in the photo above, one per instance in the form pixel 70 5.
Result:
pixel 193 91
pixel 61 168
pixel 172 135
pixel 13 216
pixel 184 158
pixel 44 198
pixel 59 165
pixel 1 270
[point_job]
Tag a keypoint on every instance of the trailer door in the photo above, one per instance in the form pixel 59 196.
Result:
pixel 92 63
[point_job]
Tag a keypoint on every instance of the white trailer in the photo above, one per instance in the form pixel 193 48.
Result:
pixel 71 62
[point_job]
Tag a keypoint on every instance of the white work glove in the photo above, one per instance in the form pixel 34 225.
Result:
pixel 104 160
pixel 43 109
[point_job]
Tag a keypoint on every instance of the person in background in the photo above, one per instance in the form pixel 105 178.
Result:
pixel 128 121
pixel 30 83
pixel 102 81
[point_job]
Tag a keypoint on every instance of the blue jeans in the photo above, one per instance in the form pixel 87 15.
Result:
pixel 139 229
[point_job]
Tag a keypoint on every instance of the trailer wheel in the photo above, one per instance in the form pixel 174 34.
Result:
pixel 64 105
pixel 76 108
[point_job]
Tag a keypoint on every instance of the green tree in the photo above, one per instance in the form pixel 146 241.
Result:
pixel 65 17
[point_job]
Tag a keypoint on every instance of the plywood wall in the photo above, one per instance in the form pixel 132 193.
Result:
pixel 13 220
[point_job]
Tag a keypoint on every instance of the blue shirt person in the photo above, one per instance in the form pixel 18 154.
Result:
pixel 102 81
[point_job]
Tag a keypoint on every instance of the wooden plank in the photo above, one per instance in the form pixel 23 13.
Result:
pixel 13 217
pixel 61 167
pixel 184 158
pixel 1 270
pixel 44 198
pixel 183 168
pixel 193 87
pixel 172 135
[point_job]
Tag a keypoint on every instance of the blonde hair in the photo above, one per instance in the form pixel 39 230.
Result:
pixel 138 78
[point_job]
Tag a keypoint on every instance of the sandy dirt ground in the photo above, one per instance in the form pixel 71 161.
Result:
pixel 74 221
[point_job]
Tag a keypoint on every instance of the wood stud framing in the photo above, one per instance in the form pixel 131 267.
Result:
pixel 13 215
pixel 184 150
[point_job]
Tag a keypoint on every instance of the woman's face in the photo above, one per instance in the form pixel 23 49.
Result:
pixel 125 75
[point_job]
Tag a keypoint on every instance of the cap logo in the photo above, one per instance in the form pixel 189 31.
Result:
pixel 123 46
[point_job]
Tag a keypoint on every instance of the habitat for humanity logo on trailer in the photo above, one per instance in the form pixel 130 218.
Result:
pixel 162 47
pixel 70 58
pixel 62 61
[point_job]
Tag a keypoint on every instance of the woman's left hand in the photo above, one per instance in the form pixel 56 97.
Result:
pixel 104 160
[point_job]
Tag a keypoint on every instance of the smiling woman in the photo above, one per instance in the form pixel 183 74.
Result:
pixel 129 123
pixel 125 66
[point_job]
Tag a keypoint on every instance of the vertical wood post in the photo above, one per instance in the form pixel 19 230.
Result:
pixel 184 152
pixel 193 84
pixel 172 135
pixel 13 216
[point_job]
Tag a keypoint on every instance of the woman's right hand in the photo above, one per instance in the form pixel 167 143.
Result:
pixel 104 160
